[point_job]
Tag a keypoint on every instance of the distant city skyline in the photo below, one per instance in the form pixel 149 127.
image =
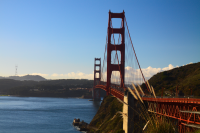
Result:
pixel 60 39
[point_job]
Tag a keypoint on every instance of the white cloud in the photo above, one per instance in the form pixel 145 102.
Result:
pixel 72 75
pixel 40 74
pixel 134 75
pixel 189 63
pixel 54 75
pixel 168 68
pixel 149 71
pixel 130 74
pixel 43 75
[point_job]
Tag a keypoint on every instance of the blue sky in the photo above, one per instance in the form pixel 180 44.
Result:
pixel 60 38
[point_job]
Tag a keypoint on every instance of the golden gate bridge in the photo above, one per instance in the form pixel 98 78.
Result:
pixel 121 67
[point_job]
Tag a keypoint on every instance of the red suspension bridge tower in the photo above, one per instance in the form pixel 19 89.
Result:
pixel 113 47
pixel 97 72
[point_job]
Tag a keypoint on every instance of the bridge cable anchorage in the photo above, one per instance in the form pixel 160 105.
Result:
pixel 135 54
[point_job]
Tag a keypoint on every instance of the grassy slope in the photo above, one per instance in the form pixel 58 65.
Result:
pixel 102 119
pixel 187 77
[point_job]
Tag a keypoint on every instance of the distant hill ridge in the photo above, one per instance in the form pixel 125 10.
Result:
pixel 186 77
pixel 26 77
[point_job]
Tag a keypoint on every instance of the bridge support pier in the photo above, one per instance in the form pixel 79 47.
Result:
pixel 125 111
pixel 128 123
pixel 132 120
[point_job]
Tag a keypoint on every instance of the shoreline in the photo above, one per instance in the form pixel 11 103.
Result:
pixel 45 96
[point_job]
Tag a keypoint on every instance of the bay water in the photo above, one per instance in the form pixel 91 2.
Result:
pixel 43 115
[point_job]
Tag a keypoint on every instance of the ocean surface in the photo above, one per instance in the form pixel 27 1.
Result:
pixel 43 115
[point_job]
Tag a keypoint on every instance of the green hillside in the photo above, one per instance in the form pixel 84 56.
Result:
pixel 103 122
pixel 186 77
pixel 47 88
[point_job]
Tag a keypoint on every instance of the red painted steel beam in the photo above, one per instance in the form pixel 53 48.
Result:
pixel 177 110
pixel 114 92
pixel 177 100
pixel 117 47
pixel 116 15
pixel 116 31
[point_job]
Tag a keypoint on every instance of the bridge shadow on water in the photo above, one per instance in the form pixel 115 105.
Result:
pixel 96 104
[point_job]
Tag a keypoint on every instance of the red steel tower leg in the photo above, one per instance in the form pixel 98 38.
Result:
pixel 96 91
pixel 112 47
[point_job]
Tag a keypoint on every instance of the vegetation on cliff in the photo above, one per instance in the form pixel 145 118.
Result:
pixel 187 78
pixel 108 120
pixel 103 122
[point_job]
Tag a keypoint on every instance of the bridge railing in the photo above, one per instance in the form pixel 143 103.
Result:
pixel 179 100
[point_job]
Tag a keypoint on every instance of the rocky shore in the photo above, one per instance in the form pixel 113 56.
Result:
pixel 81 125
pixel 106 119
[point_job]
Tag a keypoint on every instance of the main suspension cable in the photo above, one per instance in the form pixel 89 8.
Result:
pixel 135 55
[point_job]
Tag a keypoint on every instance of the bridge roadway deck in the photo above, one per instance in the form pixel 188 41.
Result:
pixel 120 94
pixel 185 110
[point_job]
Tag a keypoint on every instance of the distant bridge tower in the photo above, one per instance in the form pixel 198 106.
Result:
pixel 114 47
pixel 97 72
pixel 16 70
